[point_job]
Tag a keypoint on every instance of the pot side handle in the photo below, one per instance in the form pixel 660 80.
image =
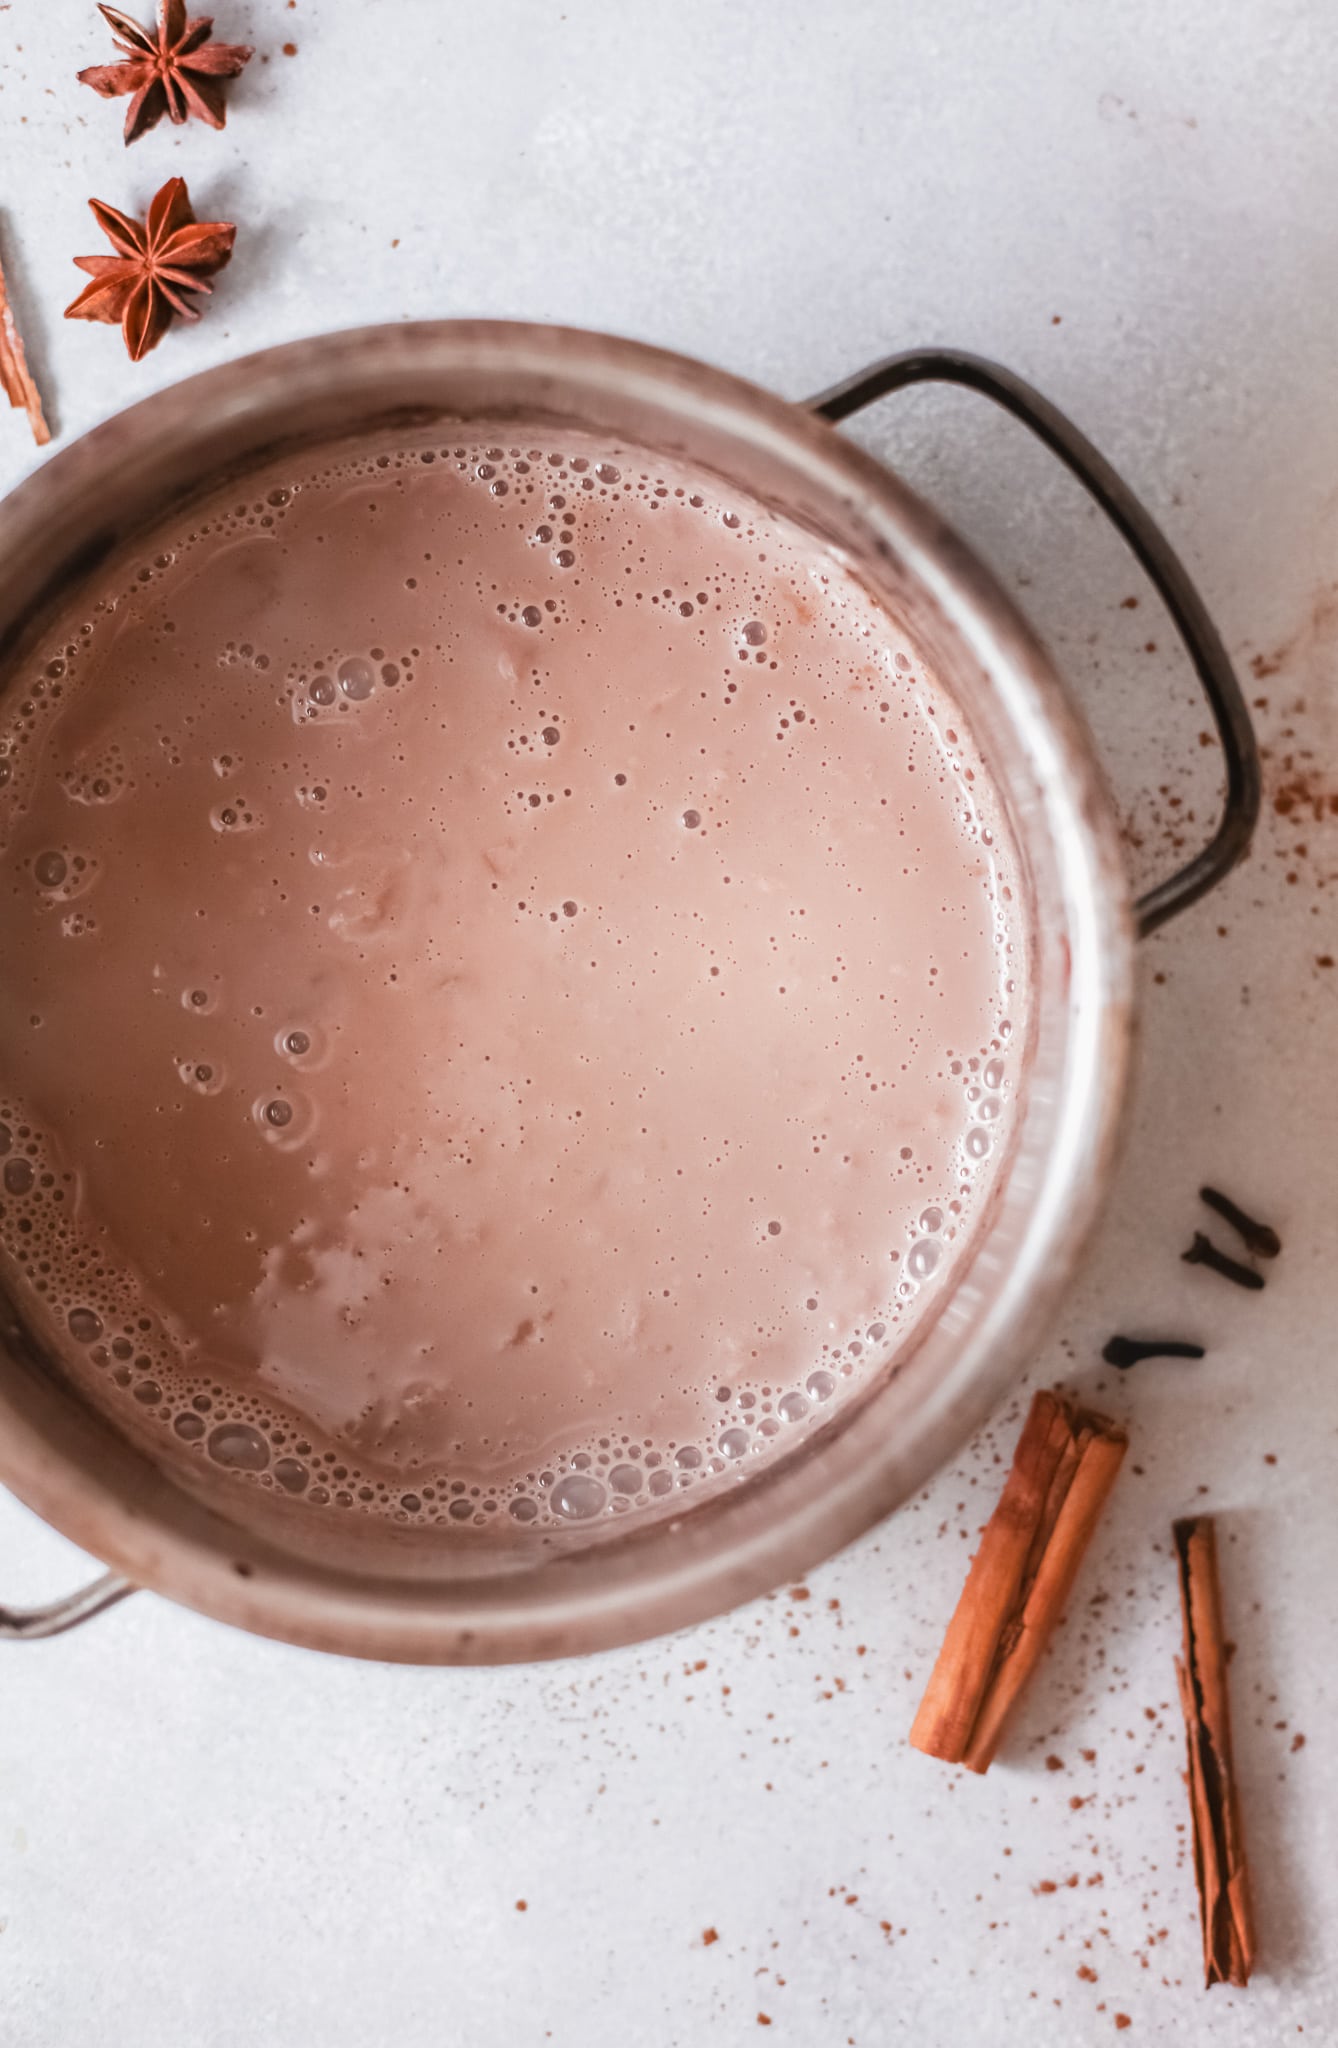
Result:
pixel 32 1624
pixel 1240 752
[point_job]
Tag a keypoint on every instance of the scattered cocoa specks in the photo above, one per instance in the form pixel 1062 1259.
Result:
pixel 1047 1884
pixel 764 2019
pixel 1323 959
pixel 1088 1755
pixel 522 1906
pixel 1122 2020
pixel 290 49
pixel 800 1593
pixel 709 1937
pixel 1298 1742
pixel 1054 1763
pixel 1087 1973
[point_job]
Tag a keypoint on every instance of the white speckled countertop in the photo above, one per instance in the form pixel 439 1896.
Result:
pixel 208 1841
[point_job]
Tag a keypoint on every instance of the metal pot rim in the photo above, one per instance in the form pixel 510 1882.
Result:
pixel 47 1456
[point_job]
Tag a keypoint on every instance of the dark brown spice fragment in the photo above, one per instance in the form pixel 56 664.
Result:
pixel 1123 1352
pixel 1203 1252
pixel 1259 1238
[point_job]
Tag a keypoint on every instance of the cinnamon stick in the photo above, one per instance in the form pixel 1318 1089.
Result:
pixel 1220 1868
pixel 1063 1469
pixel 15 380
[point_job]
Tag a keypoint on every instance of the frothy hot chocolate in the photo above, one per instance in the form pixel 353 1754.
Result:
pixel 510 979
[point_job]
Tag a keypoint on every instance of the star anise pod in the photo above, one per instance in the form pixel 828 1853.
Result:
pixel 172 69
pixel 156 267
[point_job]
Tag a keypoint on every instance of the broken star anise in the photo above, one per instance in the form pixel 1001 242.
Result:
pixel 156 267
pixel 172 69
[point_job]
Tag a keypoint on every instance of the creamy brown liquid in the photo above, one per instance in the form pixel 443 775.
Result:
pixel 509 980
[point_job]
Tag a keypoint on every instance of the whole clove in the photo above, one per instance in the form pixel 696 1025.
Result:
pixel 1259 1238
pixel 1126 1351
pixel 1203 1252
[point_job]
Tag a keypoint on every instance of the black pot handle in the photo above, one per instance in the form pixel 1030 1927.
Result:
pixel 1240 752
pixel 35 1624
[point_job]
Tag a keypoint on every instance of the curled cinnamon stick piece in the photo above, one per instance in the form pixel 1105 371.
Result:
pixel 15 380
pixel 1020 1579
pixel 1219 1855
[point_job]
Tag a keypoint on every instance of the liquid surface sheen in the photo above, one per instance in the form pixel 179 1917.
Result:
pixel 511 979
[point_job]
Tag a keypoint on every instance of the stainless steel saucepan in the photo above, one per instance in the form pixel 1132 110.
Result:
pixel 428 1596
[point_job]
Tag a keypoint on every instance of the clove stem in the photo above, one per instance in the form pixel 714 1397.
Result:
pixel 1126 1351
pixel 1203 1252
pixel 1260 1238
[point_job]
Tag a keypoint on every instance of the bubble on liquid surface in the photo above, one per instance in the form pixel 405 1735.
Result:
pixel 626 1479
pixel 238 1447
pixel 978 1143
pixel 50 869
pixel 922 1258
pixel 821 1384
pixel 755 633
pixel 297 1043
pixel 291 1474
pixel 792 1407
pixel 357 678
pixel 577 1496
pixel 734 1442
pixel 18 1176
pixel 278 1113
